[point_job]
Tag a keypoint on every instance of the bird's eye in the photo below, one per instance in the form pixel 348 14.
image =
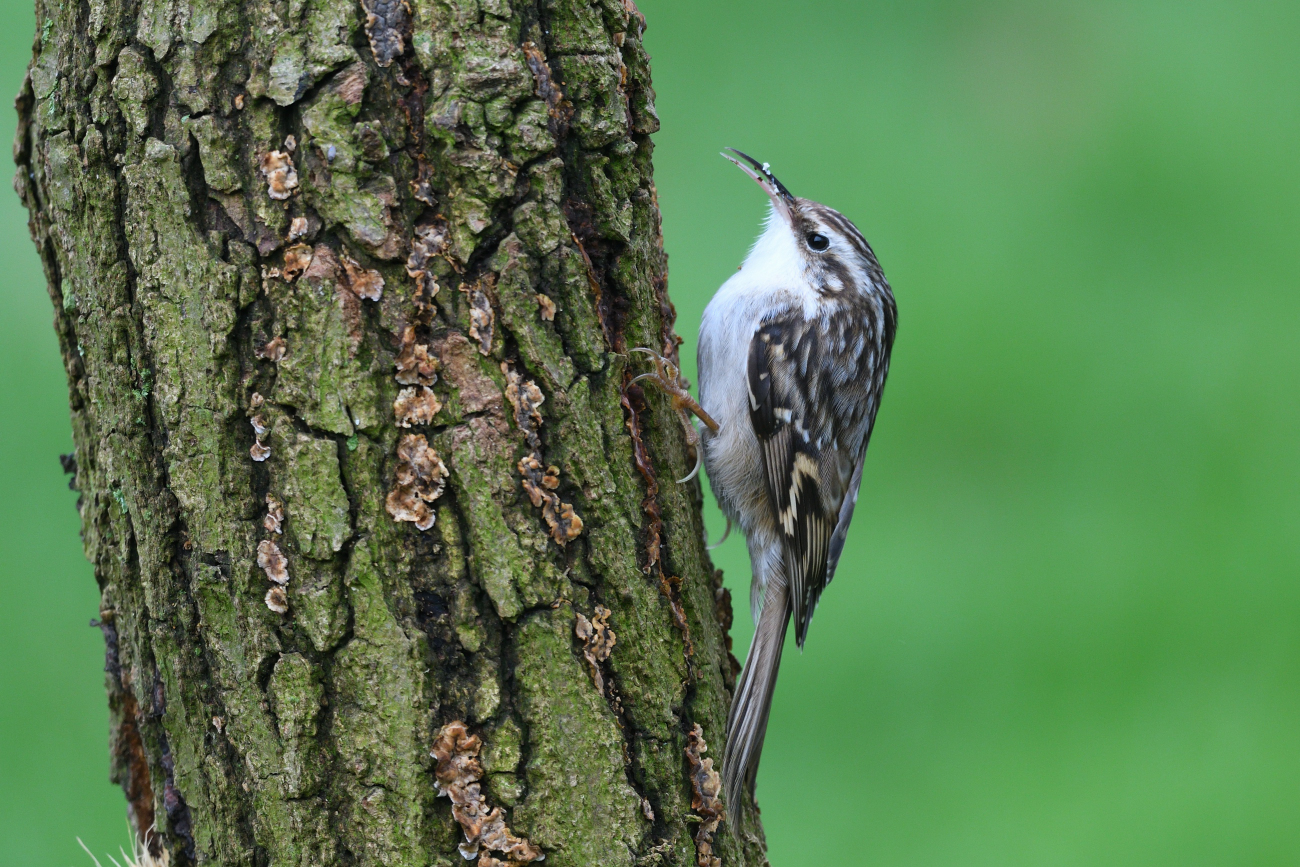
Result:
pixel 818 241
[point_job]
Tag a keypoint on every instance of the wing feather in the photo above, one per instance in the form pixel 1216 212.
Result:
pixel 783 362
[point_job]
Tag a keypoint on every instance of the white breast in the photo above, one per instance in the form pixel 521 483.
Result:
pixel 770 281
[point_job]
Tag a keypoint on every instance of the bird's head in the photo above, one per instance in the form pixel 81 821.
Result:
pixel 814 241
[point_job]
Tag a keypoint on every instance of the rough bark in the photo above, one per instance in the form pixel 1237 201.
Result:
pixel 331 518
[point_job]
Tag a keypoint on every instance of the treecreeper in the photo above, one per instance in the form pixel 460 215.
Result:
pixel 394 568
pixel 794 350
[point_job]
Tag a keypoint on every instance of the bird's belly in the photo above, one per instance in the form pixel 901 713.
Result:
pixel 732 456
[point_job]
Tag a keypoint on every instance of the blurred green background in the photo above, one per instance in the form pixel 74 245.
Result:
pixel 1066 629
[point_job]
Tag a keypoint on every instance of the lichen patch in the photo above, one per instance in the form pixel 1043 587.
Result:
pixel 706 786
pixel 281 176
pixel 597 644
pixel 415 405
pixel 420 479
pixel 458 774
pixel 272 561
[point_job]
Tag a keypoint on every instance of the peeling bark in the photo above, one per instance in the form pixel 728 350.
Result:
pixel 344 292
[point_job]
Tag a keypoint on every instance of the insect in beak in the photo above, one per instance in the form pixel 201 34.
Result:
pixel 762 175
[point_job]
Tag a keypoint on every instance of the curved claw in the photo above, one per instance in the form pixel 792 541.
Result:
pixel 645 350
pixel 699 459
pixel 725 534
pixel 650 375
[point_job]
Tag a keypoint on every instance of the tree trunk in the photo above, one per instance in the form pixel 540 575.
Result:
pixel 344 294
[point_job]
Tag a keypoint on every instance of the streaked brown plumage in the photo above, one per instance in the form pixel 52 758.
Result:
pixel 794 351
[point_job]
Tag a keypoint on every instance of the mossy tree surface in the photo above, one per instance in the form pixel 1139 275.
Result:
pixel 216 188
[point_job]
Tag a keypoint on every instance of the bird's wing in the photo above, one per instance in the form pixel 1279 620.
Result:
pixel 810 461
pixel 846 516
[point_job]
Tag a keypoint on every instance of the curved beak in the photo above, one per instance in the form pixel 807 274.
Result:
pixel 762 175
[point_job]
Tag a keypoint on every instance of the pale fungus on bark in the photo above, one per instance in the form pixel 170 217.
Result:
pixel 420 479
pixel 458 775
pixel 415 366
pixel 277 600
pixel 706 787
pixel 527 399
pixel 547 307
pixel 386 21
pixel 274 520
pixel 365 283
pixel 430 241
pixel 273 350
pixel 415 405
pixel 565 524
pixel 272 561
pixel 281 176
pixel 259 451
pixel 297 259
pixel 597 644
pixel 481 317
pixel 539 482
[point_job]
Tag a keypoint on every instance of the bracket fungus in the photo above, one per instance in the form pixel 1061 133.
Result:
pixel 706 786
pixel 297 259
pixel 277 600
pixel 597 642
pixel 414 364
pixel 281 176
pixel 540 484
pixel 366 283
pixel 272 561
pixel 415 405
pixel 421 477
pixel 481 318
pixel 458 773
pixel 274 520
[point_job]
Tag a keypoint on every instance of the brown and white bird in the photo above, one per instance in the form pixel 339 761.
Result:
pixel 793 354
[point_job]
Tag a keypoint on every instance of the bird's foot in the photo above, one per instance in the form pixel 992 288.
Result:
pixel 670 380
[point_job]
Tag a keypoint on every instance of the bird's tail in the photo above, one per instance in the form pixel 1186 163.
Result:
pixel 747 721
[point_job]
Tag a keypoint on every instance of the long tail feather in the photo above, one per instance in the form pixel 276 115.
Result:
pixel 747 721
